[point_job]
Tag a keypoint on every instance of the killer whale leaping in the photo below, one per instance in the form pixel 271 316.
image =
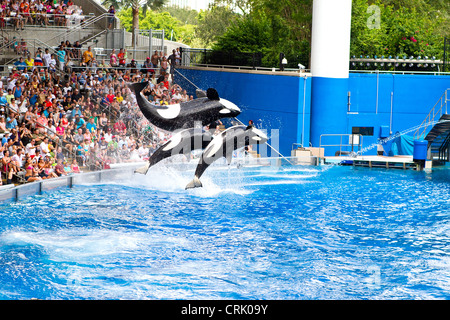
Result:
pixel 182 142
pixel 185 115
pixel 223 145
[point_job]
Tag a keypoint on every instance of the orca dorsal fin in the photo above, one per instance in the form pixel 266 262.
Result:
pixel 212 94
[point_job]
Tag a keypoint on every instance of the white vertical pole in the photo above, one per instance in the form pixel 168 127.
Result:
pixel 330 47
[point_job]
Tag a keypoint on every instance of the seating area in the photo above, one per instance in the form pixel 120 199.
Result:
pixel 59 120
pixel 17 14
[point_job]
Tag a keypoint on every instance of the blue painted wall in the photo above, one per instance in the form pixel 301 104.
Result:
pixel 276 102
pixel 413 96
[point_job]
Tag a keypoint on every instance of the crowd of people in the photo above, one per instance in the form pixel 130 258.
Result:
pixel 19 13
pixel 56 120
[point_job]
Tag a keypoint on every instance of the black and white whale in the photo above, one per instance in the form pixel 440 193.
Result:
pixel 223 145
pixel 182 142
pixel 185 115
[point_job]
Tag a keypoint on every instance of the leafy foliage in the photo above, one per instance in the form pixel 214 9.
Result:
pixel 406 27
pixel 403 30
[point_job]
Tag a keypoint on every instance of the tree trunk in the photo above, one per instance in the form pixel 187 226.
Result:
pixel 135 12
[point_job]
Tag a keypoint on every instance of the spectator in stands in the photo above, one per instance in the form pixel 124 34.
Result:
pixel 8 168
pixel 59 168
pixel 29 61
pixel 88 56
pixel 147 67
pixel 91 126
pixel 46 58
pixel 164 66
pixel 113 58
pixel 120 128
pixel 79 122
pixel 52 64
pixel 74 166
pixel 32 172
pixel 2 125
pixel 155 59
pixel 111 16
pixel 76 50
pixel 38 58
pixel 20 64
pixel 121 58
pixel 11 121
pixel 61 53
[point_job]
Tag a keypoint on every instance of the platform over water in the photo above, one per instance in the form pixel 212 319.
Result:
pixel 400 162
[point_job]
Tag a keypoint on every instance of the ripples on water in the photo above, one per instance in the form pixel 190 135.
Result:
pixel 300 233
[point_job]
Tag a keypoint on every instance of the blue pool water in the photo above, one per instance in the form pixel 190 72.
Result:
pixel 325 232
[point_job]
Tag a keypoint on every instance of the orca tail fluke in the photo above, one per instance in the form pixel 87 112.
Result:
pixel 195 183
pixel 143 170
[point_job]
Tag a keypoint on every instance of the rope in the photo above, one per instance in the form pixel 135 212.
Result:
pixel 186 78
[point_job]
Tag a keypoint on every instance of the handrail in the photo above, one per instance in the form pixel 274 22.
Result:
pixel 340 145
pixel 94 36
pixel 7 44
pixel 79 27
pixel 430 118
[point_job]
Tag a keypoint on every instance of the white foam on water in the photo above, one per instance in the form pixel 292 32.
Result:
pixel 170 179
pixel 219 179
pixel 86 245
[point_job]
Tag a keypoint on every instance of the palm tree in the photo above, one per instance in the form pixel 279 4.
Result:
pixel 135 6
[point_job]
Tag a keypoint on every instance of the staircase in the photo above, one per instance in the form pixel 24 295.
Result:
pixel 439 135
pixel 439 139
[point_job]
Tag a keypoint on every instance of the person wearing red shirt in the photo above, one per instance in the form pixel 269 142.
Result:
pixel 121 57
pixel 110 97
pixel 119 127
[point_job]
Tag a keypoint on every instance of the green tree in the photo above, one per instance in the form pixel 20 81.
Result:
pixel 213 23
pixel 271 27
pixel 404 29
pixel 174 29
pixel 135 5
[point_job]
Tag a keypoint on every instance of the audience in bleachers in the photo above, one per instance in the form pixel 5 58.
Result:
pixel 58 119
pixel 17 13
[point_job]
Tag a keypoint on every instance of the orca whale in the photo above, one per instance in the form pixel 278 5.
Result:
pixel 182 142
pixel 223 145
pixel 185 115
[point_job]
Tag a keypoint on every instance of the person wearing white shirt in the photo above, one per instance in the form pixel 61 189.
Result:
pixel 30 148
pixel 134 154
pixel 52 63
pixel 108 136
pixel 143 151
pixel 46 58
pixel 17 158
pixel 44 147
pixel 23 106
pixel 13 105
pixel 11 83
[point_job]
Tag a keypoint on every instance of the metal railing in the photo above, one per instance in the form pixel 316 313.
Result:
pixel 430 119
pixel 73 29
pixel 210 57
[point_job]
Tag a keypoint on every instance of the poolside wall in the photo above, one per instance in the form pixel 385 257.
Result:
pixel 277 101
pixel 33 188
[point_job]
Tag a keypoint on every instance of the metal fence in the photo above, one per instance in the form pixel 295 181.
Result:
pixel 192 57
